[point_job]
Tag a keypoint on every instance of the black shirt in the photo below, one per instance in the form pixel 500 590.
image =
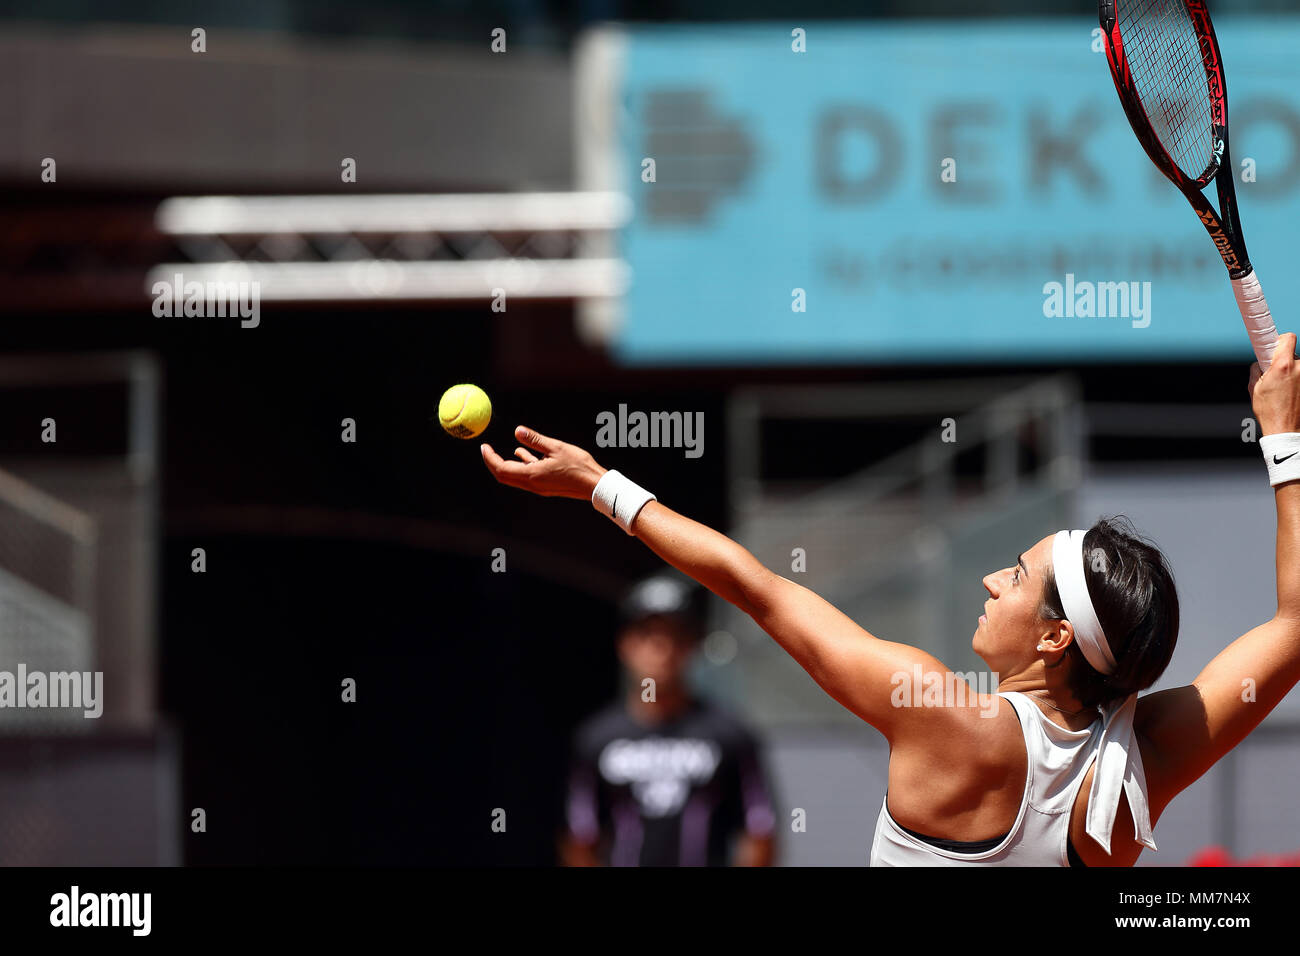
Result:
pixel 671 794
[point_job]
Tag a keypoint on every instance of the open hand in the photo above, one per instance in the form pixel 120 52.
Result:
pixel 561 471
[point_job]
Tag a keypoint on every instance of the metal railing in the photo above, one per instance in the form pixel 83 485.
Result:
pixel 897 544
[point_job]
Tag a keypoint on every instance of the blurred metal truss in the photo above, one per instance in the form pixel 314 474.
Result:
pixel 411 247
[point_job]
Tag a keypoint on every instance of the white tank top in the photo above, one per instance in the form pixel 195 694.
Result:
pixel 1058 761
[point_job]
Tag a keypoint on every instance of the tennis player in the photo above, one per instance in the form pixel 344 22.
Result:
pixel 1064 765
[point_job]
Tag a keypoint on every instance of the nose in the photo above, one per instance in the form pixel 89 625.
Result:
pixel 990 584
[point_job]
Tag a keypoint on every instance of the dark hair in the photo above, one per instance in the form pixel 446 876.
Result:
pixel 1132 590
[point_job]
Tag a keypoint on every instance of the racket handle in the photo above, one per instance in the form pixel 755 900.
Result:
pixel 1259 321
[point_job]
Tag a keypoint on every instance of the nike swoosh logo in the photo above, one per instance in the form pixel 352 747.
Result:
pixel 1278 461
pixel 613 505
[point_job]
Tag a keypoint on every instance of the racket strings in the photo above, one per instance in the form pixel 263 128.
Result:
pixel 1164 57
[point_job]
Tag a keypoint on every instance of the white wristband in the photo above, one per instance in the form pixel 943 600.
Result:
pixel 620 498
pixel 1282 455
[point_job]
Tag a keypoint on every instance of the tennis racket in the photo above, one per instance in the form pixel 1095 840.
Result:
pixel 1165 61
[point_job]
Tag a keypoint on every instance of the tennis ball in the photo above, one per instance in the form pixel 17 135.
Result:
pixel 464 411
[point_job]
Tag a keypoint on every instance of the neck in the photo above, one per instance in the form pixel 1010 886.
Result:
pixel 1040 686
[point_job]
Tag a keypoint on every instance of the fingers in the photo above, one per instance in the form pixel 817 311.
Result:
pixel 526 455
pixel 506 472
pixel 1283 359
pixel 537 441
pixel 1284 353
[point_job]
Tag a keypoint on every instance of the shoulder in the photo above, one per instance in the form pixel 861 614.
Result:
pixel 998 727
pixel 965 778
pixel 975 742
pixel 983 725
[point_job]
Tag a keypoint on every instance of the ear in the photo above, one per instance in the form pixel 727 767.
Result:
pixel 1056 639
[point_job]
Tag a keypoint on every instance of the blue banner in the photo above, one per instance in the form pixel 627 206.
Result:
pixel 933 192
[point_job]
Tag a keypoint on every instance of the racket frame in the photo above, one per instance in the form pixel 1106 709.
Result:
pixel 1223 225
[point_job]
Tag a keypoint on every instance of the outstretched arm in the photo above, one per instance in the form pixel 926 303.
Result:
pixel 854 667
pixel 1193 726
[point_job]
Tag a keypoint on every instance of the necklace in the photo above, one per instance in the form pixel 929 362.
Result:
pixel 1068 713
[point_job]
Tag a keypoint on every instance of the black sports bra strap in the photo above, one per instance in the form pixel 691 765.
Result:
pixel 957 846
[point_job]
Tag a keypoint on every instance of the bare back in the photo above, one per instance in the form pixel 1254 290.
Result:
pixel 968 784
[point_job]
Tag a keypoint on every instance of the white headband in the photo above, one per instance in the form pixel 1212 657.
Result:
pixel 1119 758
pixel 1068 566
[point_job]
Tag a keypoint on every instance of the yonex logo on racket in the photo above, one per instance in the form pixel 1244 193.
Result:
pixel 1222 241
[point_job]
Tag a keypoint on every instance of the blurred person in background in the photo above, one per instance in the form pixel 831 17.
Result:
pixel 660 777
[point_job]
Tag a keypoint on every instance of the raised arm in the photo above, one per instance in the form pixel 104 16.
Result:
pixel 850 664
pixel 1193 726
